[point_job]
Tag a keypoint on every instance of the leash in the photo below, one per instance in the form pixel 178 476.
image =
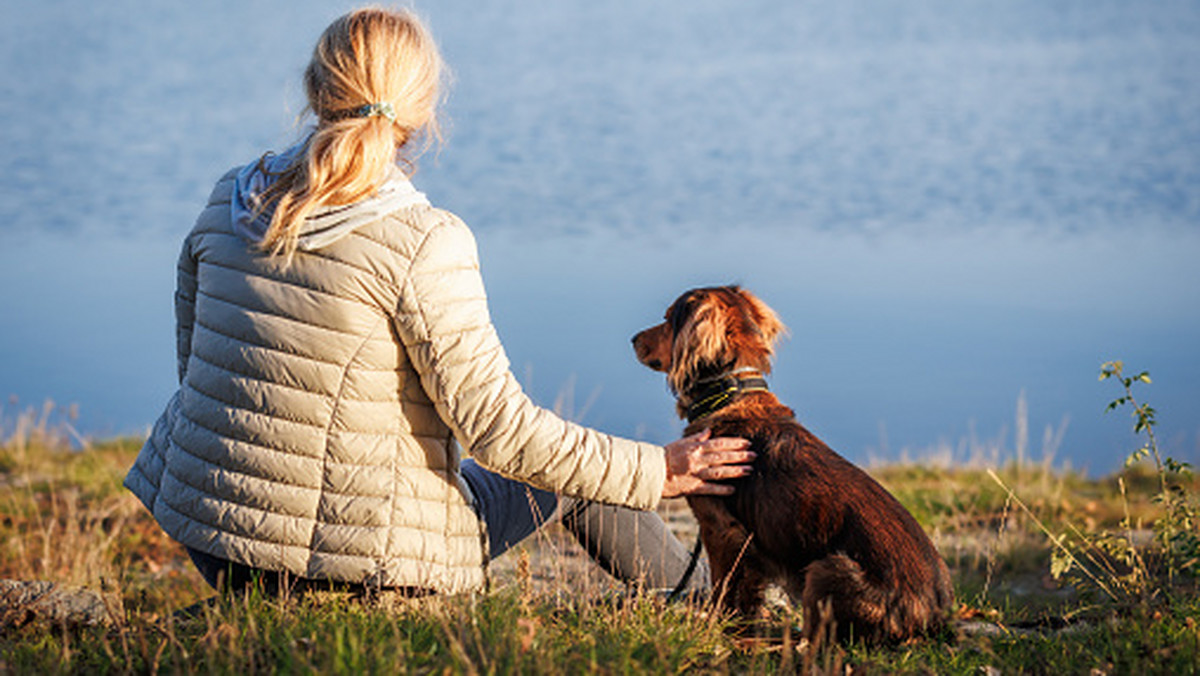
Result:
pixel 687 574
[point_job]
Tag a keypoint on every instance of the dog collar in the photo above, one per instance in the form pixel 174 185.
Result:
pixel 717 393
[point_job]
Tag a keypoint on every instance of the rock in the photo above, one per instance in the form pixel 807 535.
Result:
pixel 27 602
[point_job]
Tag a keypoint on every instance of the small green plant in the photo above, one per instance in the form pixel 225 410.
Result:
pixel 1118 562
pixel 1175 532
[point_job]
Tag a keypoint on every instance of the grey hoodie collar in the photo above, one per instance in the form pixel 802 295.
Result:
pixel 327 224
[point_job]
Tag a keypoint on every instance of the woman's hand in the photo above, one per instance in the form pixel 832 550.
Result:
pixel 694 463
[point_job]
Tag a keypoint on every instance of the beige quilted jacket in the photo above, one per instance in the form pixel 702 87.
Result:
pixel 319 404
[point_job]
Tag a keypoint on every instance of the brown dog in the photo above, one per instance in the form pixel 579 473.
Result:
pixel 807 519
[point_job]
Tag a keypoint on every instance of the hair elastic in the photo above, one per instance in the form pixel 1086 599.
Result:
pixel 380 108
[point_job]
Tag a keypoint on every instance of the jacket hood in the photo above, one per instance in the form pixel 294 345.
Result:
pixel 326 224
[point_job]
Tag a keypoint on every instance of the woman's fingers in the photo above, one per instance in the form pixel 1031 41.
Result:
pixel 710 458
pixel 719 444
pixel 696 464
pixel 721 472
pixel 727 451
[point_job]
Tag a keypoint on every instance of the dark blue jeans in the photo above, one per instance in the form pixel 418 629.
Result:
pixel 634 546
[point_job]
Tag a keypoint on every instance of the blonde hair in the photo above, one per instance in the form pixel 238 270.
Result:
pixel 367 57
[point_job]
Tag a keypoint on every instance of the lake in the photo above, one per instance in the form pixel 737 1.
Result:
pixel 961 208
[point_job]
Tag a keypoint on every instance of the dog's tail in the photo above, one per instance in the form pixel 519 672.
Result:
pixel 837 590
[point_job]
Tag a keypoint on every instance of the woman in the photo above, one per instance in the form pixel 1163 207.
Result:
pixel 334 343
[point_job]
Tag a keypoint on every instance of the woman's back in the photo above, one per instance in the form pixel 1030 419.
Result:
pixel 303 438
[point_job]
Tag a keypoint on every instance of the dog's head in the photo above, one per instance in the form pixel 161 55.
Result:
pixel 708 332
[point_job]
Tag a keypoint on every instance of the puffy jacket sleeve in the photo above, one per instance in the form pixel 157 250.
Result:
pixel 185 306
pixel 444 323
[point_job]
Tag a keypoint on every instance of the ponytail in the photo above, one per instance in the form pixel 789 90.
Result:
pixel 373 84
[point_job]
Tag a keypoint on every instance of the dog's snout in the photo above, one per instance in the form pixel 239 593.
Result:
pixel 650 346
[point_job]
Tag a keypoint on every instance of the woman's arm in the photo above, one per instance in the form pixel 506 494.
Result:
pixel 447 331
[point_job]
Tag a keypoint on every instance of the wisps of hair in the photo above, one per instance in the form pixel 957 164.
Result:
pixel 368 56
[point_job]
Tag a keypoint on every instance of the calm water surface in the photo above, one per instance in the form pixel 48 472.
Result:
pixel 960 208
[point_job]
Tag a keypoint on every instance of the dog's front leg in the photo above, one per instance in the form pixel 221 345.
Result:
pixel 738 578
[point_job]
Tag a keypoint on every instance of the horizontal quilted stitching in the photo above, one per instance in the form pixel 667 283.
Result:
pixel 318 402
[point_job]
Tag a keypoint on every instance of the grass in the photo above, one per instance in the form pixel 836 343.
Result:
pixel 64 518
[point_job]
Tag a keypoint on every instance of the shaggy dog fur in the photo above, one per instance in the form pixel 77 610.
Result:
pixel 807 519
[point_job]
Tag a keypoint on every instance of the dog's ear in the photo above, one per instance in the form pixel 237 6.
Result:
pixel 699 325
